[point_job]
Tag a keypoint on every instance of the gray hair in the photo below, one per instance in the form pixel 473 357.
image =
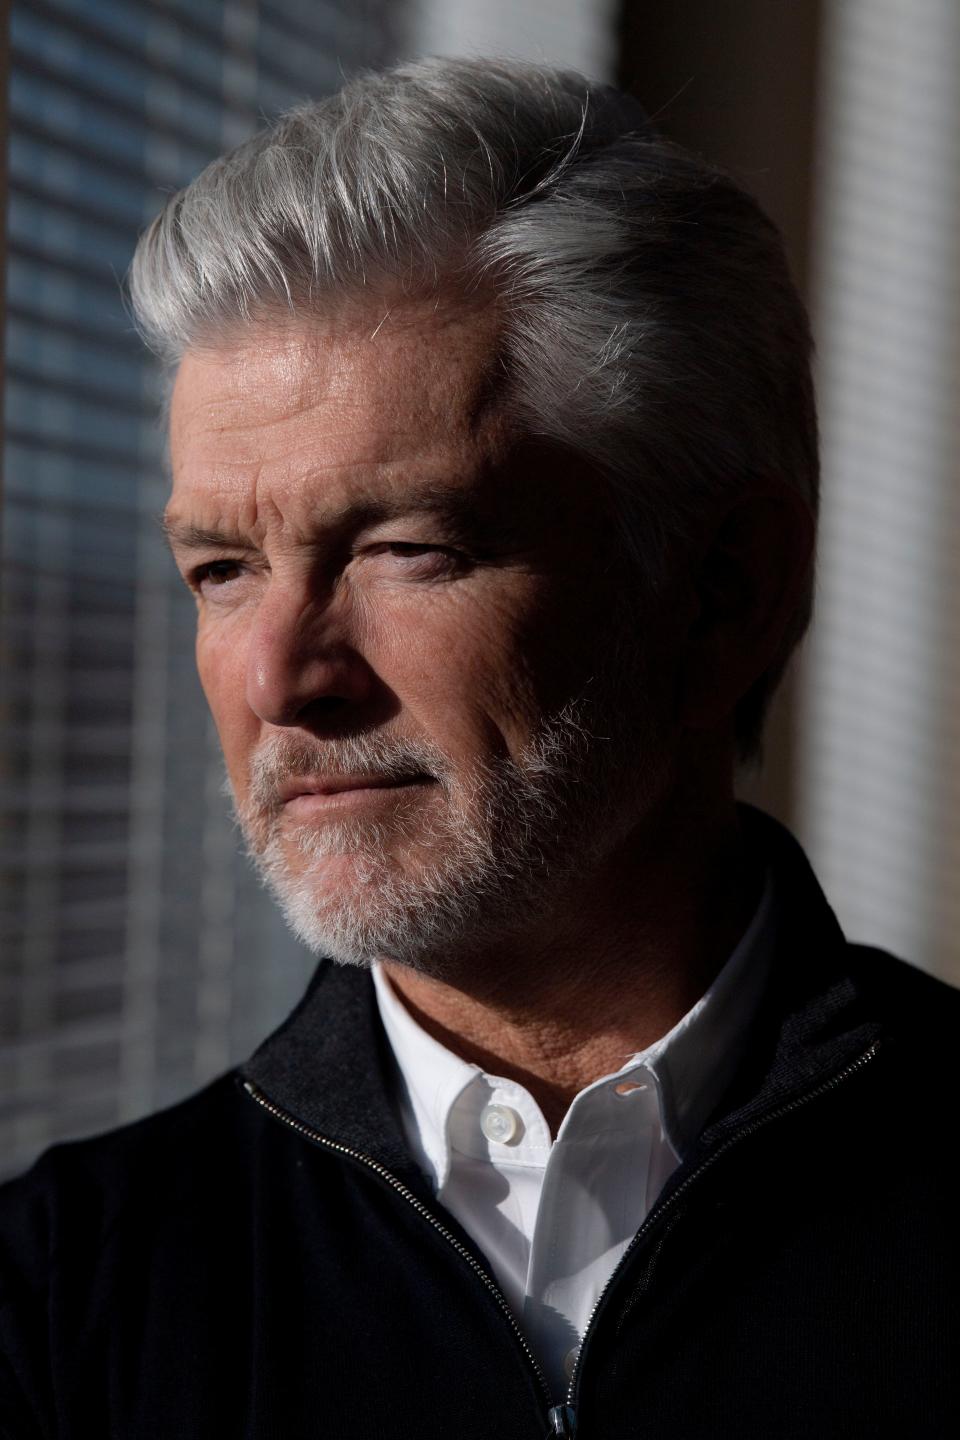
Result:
pixel 649 319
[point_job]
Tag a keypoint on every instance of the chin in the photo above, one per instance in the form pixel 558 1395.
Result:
pixel 351 903
pixel 356 922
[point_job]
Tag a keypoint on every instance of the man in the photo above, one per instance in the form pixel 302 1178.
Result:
pixel 494 477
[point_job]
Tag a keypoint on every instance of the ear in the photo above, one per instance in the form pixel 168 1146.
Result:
pixel 749 578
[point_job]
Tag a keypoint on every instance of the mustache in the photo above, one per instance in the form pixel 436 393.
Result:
pixel 284 757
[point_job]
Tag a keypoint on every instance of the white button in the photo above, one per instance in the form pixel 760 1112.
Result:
pixel 500 1123
pixel 570 1360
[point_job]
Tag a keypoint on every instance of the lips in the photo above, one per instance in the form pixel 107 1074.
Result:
pixel 293 789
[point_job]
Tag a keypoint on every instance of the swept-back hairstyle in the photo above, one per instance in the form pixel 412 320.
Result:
pixel 648 317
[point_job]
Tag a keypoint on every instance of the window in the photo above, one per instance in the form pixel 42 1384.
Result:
pixel 139 957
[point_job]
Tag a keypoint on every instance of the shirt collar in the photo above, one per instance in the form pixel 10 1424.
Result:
pixel 692 1064
pixel 433 1079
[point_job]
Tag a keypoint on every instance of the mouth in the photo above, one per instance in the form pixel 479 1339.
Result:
pixel 313 794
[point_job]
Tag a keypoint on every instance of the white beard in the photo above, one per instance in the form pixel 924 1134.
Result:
pixel 436 881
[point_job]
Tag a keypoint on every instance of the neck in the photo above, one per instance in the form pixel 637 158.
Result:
pixel 630 953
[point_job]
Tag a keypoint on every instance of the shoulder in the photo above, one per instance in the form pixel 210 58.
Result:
pixel 834 980
pixel 185 1122
pixel 902 995
pixel 917 1019
pixel 87 1214
pixel 85 1187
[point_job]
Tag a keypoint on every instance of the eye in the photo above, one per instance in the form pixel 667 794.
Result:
pixel 420 556
pixel 215 572
pixel 413 548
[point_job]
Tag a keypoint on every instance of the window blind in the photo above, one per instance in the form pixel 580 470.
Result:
pixel 139 957
pixel 879 774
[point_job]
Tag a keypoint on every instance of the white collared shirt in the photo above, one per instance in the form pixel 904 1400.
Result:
pixel 553 1218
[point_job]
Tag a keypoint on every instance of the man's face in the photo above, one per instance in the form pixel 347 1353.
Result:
pixel 410 634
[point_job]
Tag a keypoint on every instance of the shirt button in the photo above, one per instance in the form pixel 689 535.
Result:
pixel 501 1124
pixel 570 1361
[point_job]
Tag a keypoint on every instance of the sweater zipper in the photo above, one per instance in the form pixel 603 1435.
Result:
pixel 569 1408
pixel 293 1123
pixel 561 1419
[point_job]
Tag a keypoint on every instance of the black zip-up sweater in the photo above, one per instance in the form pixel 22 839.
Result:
pixel 265 1261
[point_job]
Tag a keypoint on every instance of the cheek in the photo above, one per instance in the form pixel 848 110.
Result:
pixel 222 671
pixel 465 668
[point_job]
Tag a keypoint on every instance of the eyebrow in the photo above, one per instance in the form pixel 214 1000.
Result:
pixel 184 536
pixel 432 499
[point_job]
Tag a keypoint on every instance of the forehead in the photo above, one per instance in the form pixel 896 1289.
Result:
pixel 386 398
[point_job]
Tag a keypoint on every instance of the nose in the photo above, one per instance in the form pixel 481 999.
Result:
pixel 301 665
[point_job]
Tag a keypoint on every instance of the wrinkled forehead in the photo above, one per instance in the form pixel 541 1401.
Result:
pixel 286 430
pixel 410 406
pixel 286 424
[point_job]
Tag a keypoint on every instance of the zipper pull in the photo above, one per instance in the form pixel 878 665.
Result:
pixel 562 1420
